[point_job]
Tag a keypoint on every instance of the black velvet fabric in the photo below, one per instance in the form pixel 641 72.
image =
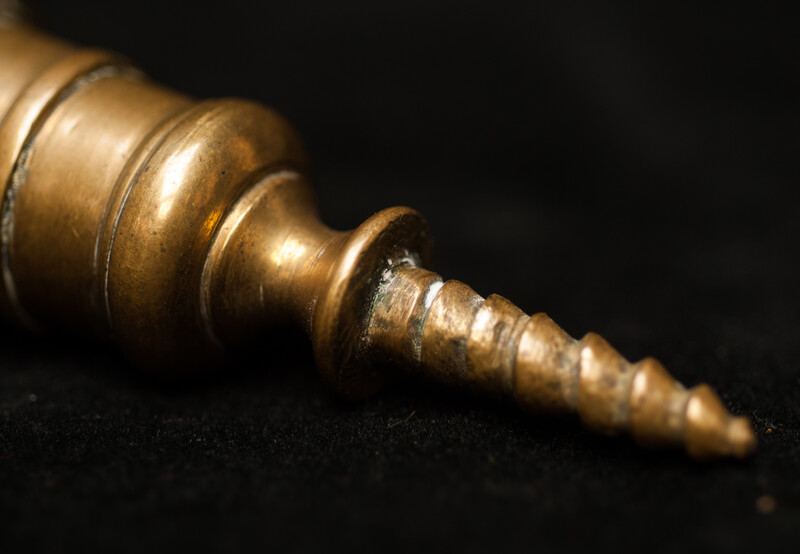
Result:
pixel 628 169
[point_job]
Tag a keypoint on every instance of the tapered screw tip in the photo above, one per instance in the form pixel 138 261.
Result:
pixel 712 432
pixel 741 437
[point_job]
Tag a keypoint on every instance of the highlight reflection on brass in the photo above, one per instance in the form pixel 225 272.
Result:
pixel 179 228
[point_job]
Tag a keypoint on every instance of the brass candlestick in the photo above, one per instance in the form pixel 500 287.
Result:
pixel 178 228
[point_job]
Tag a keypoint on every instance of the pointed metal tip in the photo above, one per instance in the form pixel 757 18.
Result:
pixel 712 432
pixel 741 437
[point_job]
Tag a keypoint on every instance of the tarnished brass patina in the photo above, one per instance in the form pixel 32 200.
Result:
pixel 179 228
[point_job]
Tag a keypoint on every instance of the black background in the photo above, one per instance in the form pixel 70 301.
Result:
pixel 628 169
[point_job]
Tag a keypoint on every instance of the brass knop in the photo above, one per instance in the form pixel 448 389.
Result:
pixel 179 228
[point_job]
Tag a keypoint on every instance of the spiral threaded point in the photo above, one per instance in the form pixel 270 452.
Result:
pixel 455 336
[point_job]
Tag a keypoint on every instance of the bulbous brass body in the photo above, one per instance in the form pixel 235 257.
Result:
pixel 178 228
pixel 173 226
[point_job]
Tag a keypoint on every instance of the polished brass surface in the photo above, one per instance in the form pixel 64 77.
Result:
pixel 180 228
